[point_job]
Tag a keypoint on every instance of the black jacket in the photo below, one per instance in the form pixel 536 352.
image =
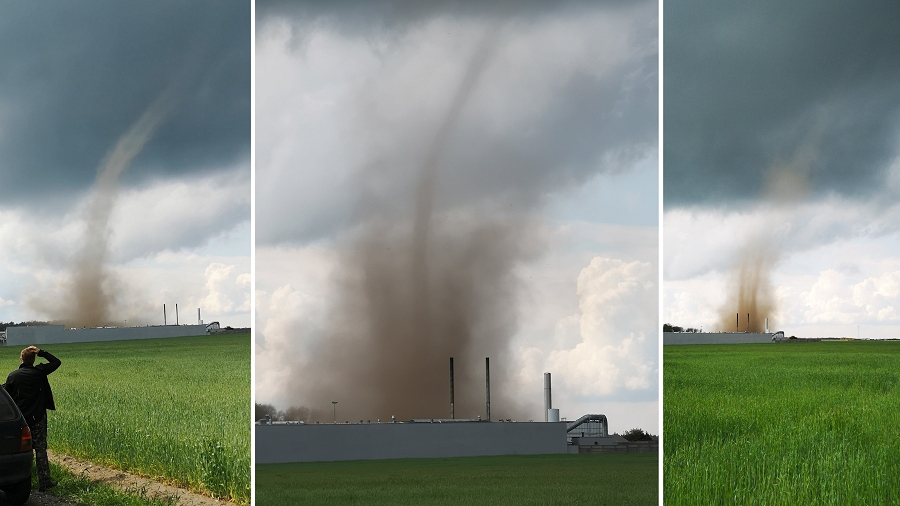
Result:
pixel 29 387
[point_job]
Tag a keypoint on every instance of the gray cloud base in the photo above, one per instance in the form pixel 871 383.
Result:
pixel 77 75
pixel 362 15
pixel 595 122
pixel 749 85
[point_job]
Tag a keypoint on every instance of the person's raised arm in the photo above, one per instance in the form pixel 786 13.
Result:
pixel 53 362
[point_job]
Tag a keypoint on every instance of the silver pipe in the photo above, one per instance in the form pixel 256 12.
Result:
pixel 547 401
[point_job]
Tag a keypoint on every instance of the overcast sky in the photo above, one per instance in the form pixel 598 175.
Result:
pixel 554 123
pixel 782 129
pixel 74 79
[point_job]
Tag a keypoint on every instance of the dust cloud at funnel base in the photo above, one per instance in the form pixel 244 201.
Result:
pixel 387 346
pixel 750 296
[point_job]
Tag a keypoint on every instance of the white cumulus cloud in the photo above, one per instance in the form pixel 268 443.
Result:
pixel 618 330
pixel 226 292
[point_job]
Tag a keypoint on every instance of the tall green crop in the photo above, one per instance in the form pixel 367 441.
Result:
pixel 799 423
pixel 175 409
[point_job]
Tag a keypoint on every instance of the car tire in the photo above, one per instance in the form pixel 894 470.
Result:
pixel 18 493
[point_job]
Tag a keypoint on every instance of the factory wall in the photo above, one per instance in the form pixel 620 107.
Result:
pixel 627 447
pixel 716 337
pixel 328 442
pixel 56 334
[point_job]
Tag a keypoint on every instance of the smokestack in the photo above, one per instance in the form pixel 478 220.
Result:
pixel 767 325
pixel 547 403
pixel 748 322
pixel 199 321
pixel 176 313
pixel 487 387
pixel 452 413
pixel 164 315
pixel 737 322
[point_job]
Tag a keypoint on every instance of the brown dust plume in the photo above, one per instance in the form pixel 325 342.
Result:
pixel 387 350
pixel 751 293
pixel 751 296
pixel 92 289
pixel 415 291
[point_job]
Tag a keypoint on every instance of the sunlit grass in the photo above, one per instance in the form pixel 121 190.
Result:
pixel 799 423
pixel 177 409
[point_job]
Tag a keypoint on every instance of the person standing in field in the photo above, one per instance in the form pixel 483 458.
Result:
pixel 29 387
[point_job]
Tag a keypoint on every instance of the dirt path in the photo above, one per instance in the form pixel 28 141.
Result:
pixel 122 481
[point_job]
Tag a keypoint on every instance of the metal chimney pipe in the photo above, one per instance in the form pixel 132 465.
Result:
pixel 198 316
pixel 487 387
pixel 767 325
pixel 164 315
pixel 547 401
pixel 748 322
pixel 737 322
pixel 176 313
pixel 452 412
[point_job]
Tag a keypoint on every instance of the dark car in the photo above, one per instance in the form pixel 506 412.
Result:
pixel 15 451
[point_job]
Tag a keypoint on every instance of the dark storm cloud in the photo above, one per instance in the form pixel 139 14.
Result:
pixel 447 193
pixel 598 119
pixel 591 125
pixel 753 88
pixel 74 77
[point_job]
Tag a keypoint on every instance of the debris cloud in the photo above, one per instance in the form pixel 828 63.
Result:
pixel 417 290
pixel 92 289
pixel 752 298
pixel 750 291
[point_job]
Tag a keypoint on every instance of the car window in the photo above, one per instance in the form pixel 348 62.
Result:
pixel 8 409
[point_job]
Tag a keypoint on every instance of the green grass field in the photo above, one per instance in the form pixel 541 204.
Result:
pixel 799 423
pixel 176 409
pixel 614 479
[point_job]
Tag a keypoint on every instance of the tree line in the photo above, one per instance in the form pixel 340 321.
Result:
pixel 291 414
pixel 637 435
pixel 32 323
pixel 668 327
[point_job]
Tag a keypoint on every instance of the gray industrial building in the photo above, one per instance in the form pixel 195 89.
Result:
pixel 284 442
pixel 56 334
pixel 421 439
pixel 590 434
pixel 720 337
